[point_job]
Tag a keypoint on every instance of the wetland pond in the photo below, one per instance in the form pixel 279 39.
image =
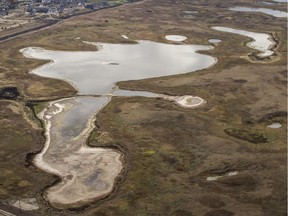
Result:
pixel 89 173
pixel 261 42
pixel 175 38
pixel 214 40
pixel 275 125
pixel 275 13
pixel 95 72
pixel 281 1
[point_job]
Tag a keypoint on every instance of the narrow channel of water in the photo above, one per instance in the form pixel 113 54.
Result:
pixel 281 1
pixel 88 173
pixel 262 42
pixel 275 13
pixel 267 3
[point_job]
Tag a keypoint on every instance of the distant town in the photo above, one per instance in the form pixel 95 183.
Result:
pixel 24 15
pixel 53 8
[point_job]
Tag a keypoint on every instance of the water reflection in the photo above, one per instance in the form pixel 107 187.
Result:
pixel 275 13
pixel 96 72
pixel 176 38
pixel 275 125
pixel 214 40
pixel 69 122
pixel 261 42
pixel 282 1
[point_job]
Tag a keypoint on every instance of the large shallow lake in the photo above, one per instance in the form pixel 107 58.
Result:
pixel 96 72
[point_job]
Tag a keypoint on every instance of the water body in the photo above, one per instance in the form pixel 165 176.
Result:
pixel 69 122
pixel 214 178
pixel 176 38
pixel 275 13
pixel 215 41
pixel 127 93
pixel 262 42
pixel 125 37
pixel 267 3
pixel 95 72
pixel 88 173
pixel 190 12
pixel 275 125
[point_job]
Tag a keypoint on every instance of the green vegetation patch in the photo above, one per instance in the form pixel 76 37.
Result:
pixel 247 135
pixel 37 107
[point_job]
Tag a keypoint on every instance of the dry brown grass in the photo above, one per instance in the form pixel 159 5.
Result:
pixel 169 148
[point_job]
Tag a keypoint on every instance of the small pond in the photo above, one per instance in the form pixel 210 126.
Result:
pixel 214 41
pixel 275 125
pixel 190 11
pixel 176 38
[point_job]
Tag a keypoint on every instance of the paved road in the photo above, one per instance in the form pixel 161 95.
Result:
pixel 28 31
